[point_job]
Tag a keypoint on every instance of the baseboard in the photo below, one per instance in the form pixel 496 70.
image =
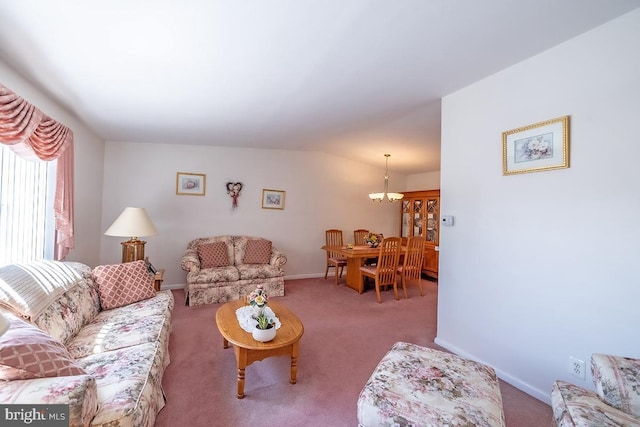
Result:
pixel 175 286
pixel 520 385
pixel 305 276
pixel 295 277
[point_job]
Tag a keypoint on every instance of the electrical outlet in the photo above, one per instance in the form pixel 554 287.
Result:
pixel 577 367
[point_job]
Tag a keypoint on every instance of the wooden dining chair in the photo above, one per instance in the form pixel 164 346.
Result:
pixel 358 240
pixel 411 268
pixel 333 237
pixel 359 235
pixel 385 271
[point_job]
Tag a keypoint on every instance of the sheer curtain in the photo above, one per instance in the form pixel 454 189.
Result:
pixel 34 135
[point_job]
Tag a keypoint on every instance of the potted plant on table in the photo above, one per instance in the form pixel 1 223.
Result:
pixel 265 330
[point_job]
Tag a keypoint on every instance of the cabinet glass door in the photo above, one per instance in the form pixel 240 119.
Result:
pixel 418 218
pixel 432 220
pixel 406 218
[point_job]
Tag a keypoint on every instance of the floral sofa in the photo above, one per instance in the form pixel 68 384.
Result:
pixel 616 401
pixel 227 268
pixel 97 340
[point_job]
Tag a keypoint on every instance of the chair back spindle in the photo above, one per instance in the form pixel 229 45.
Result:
pixel 359 235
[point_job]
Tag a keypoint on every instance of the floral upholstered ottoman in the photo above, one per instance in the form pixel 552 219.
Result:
pixel 419 386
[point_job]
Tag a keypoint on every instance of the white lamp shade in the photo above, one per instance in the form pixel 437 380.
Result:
pixel 394 196
pixel 132 222
pixel 4 324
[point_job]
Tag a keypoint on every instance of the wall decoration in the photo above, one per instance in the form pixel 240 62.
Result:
pixel 272 199
pixel 538 147
pixel 233 190
pixel 190 184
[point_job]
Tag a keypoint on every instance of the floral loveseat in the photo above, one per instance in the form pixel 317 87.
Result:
pixel 96 340
pixel 227 268
pixel 616 401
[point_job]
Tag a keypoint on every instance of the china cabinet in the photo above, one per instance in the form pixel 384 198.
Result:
pixel 420 216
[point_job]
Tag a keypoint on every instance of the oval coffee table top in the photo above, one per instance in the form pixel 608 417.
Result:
pixel 290 331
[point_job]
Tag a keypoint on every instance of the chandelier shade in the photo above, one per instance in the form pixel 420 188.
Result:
pixel 392 197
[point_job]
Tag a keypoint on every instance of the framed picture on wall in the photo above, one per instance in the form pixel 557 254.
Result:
pixel 537 147
pixel 272 199
pixel 190 184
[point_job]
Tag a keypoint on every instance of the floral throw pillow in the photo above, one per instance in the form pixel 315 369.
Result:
pixel 123 284
pixel 257 252
pixel 213 255
pixel 26 352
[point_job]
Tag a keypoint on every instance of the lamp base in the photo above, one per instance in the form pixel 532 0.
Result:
pixel 132 250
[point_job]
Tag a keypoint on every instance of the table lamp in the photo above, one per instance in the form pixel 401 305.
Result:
pixel 134 223
pixel 4 324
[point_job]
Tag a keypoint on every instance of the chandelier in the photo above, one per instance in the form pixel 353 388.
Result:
pixel 392 197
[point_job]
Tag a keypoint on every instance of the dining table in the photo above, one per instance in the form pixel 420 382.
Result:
pixel 355 259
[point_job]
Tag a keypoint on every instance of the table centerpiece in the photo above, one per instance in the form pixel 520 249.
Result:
pixel 258 300
pixel 373 239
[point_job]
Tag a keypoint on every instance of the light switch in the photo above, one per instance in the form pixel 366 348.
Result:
pixel 447 220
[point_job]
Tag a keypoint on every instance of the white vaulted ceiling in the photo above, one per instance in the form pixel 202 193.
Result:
pixel 356 78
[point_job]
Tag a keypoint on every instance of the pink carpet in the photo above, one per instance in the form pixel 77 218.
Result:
pixel 346 334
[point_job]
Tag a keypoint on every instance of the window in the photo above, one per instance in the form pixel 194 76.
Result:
pixel 26 208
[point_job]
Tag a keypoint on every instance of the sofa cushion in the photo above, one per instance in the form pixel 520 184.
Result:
pixel 68 314
pixel 141 322
pixel 617 381
pixel 258 271
pixel 26 352
pixel 28 289
pixel 214 275
pixel 213 255
pixel 80 392
pixel 129 384
pixel 257 252
pixel 123 284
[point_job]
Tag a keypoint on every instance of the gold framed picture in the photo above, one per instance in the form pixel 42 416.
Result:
pixel 539 147
pixel 272 199
pixel 190 184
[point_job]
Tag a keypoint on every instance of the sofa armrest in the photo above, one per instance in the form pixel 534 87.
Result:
pixel 617 381
pixel 190 261
pixel 278 259
pixel 79 392
pixel 575 406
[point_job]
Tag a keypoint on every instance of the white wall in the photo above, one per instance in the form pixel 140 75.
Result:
pixel 423 181
pixel 88 159
pixel 322 191
pixel 543 266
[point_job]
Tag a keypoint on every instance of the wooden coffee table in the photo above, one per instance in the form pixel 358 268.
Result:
pixel 248 350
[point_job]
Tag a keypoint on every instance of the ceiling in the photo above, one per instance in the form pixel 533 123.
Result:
pixel 354 78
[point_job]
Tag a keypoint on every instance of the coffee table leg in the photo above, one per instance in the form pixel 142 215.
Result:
pixel 225 343
pixel 294 363
pixel 242 364
pixel 240 383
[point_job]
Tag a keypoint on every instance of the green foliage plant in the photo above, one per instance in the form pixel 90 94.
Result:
pixel 264 322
